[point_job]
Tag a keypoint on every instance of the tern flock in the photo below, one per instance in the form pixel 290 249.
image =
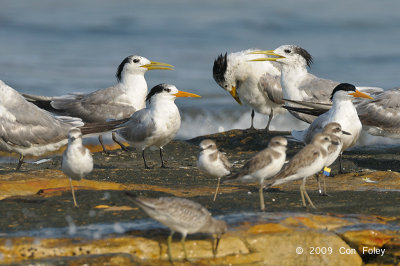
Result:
pixel 271 82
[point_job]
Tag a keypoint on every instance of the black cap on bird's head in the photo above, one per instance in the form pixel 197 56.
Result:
pixel 169 89
pixel 343 87
pixel 303 52
pixel 140 62
pixel 219 68
pixel 350 88
pixel 157 89
pixel 118 74
pixel 284 53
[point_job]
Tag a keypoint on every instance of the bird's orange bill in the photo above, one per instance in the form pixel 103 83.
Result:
pixel 158 65
pixel 267 52
pixel 233 92
pixel 186 94
pixel 360 95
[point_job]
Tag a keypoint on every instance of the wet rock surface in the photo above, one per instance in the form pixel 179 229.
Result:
pixel 40 224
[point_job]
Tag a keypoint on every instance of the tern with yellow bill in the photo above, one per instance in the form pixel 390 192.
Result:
pixel 257 85
pixel 158 123
pixel 112 103
pixel 297 83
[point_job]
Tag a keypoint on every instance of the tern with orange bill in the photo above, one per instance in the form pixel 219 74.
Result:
pixel 343 112
pixel 157 124
pixel 112 103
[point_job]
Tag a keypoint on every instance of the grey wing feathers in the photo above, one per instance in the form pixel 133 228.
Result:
pixel 271 85
pixel 101 127
pixel 383 111
pixel 139 127
pixel 30 125
pixel 317 89
pixel 94 107
pixel 308 110
pixel 315 127
pixel 32 97
pixel 311 105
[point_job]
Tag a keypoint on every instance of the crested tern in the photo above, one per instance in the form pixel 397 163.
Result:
pixel 256 85
pixel 158 123
pixel 112 103
pixel 297 83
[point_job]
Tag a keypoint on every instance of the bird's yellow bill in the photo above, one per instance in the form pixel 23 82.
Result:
pixel 158 65
pixel 233 92
pixel 186 94
pixel 267 52
pixel 360 95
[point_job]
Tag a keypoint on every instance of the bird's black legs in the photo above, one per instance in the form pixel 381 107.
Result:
pixel 252 120
pixel 144 160
pixel 162 160
pixel 20 162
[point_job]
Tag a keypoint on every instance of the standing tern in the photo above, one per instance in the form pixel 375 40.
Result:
pixel 158 123
pixel 297 83
pixel 257 85
pixel 307 162
pixel 77 161
pixel 343 112
pixel 263 165
pixel 115 102
pixel 28 130
pixel 183 216
pixel 213 162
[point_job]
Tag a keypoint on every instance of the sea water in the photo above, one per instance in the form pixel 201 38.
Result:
pixel 52 47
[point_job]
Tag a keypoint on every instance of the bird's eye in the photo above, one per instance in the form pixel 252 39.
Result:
pixel 136 60
pixel 287 51
pixel 226 86
pixel 167 90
